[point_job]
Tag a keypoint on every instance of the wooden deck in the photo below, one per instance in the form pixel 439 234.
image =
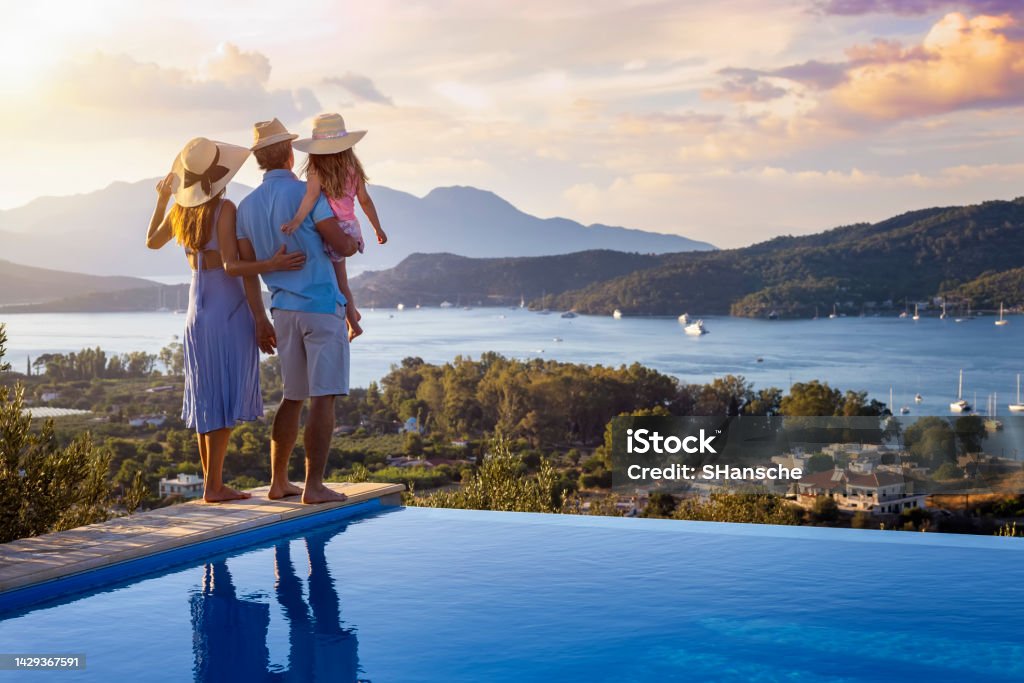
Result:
pixel 30 561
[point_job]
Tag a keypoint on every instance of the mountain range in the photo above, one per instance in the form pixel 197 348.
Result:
pixel 967 254
pixel 103 232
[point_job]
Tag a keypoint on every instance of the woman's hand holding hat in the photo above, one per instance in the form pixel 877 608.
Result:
pixel 166 187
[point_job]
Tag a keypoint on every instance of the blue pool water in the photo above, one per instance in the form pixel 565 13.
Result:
pixel 441 595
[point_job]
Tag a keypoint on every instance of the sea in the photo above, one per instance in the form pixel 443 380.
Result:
pixel 864 354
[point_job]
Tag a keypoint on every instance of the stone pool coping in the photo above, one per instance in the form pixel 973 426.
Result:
pixel 30 561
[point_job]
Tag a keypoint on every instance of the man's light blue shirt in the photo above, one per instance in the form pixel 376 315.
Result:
pixel 314 288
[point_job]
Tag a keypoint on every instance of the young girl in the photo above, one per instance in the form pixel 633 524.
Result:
pixel 334 169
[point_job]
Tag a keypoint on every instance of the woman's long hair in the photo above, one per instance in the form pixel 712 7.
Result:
pixel 335 171
pixel 192 226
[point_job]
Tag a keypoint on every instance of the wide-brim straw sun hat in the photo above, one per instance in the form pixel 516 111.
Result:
pixel 329 136
pixel 266 133
pixel 204 168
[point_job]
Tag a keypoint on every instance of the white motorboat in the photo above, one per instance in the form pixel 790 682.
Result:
pixel 684 319
pixel 447 304
pixel 918 398
pixel 400 307
pixel 960 405
pixel 696 329
pixel 617 314
pixel 1017 407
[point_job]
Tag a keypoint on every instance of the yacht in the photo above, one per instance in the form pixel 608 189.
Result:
pixel 918 398
pixel 960 405
pixel 617 314
pixel 1002 321
pixel 684 319
pixel 400 307
pixel 1017 407
pixel 447 304
pixel 696 329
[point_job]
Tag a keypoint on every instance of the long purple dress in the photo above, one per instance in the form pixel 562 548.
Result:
pixel 222 378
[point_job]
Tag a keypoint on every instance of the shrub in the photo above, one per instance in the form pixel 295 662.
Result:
pixel 749 508
pixel 501 484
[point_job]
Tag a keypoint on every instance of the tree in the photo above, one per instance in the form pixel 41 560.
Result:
pixel 819 462
pixel 172 357
pixel 811 399
pixel 660 504
pixel 825 509
pixel 44 487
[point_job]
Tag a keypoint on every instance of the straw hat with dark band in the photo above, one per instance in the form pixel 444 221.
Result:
pixel 329 136
pixel 266 133
pixel 204 168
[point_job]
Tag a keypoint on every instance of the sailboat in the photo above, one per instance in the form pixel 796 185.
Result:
pixel 960 405
pixel 917 316
pixel 992 424
pixel 1002 321
pixel 617 314
pixel 1017 407
pixel 833 315
pixel 942 316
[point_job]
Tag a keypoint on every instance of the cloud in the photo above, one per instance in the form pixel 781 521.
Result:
pixel 745 85
pixel 227 87
pixel 361 87
pixel 230 65
pixel 915 7
pixel 961 64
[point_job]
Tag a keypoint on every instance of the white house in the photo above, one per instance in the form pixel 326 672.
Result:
pixel 185 485
pixel 879 492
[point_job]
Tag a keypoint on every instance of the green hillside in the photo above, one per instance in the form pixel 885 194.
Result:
pixel 970 252
pixel 431 279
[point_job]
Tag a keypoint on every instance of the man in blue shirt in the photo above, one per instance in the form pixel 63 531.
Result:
pixel 308 307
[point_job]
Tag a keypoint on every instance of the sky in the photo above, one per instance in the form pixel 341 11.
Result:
pixel 731 122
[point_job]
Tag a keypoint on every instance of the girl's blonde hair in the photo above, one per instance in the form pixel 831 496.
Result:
pixel 335 171
pixel 193 225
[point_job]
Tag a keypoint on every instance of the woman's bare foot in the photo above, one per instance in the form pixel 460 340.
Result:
pixel 321 494
pixel 288 489
pixel 224 493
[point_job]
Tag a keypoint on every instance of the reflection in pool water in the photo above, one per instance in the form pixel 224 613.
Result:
pixel 230 632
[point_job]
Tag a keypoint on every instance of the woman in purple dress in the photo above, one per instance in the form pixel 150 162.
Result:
pixel 222 385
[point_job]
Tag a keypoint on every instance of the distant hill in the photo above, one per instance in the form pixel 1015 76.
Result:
pixel 431 279
pixel 857 268
pixel 970 253
pixel 26 285
pixel 103 232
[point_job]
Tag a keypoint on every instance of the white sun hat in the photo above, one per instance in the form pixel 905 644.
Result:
pixel 329 136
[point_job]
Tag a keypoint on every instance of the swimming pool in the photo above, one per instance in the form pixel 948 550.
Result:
pixel 416 594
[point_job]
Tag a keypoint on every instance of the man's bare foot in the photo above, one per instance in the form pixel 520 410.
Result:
pixel 288 489
pixel 322 494
pixel 224 493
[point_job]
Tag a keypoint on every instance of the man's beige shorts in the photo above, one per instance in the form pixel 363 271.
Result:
pixel 313 348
